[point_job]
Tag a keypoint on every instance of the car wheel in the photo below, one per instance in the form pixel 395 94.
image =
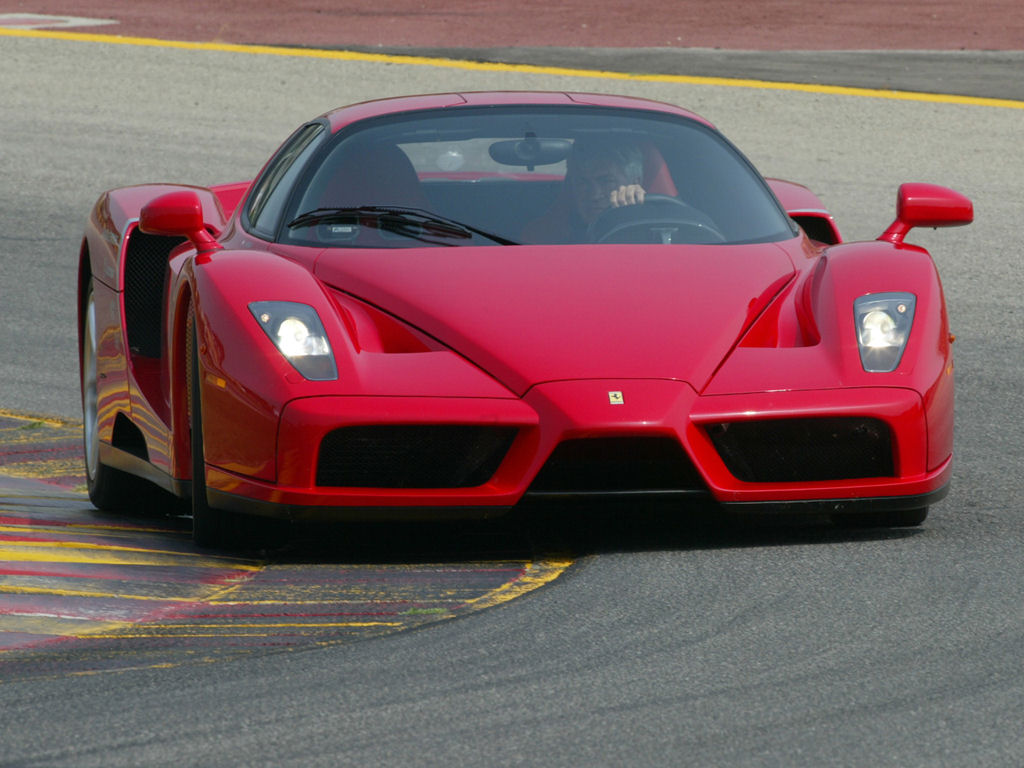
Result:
pixel 900 518
pixel 109 488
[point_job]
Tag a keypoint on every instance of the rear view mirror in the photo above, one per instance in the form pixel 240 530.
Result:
pixel 927 205
pixel 530 151
pixel 178 214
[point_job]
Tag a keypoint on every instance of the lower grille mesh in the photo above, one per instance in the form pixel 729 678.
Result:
pixel 618 464
pixel 804 450
pixel 412 456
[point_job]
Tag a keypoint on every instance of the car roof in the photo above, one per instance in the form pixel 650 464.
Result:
pixel 344 116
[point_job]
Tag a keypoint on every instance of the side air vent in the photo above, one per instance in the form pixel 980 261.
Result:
pixel 412 456
pixel 145 270
pixel 803 450
pixel 818 228
pixel 129 438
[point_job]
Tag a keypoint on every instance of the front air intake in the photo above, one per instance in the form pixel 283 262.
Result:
pixel 804 450
pixel 617 465
pixel 412 455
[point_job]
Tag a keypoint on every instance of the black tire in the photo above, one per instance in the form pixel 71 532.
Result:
pixel 900 518
pixel 109 489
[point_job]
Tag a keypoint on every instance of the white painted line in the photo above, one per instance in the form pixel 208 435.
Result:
pixel 44 21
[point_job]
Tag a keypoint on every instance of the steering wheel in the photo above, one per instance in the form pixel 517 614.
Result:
pixel 660 219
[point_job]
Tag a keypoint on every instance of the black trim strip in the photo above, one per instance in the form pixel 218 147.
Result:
pixel 233 503
pixel 647 495
pixel 840 506
pixel 133 465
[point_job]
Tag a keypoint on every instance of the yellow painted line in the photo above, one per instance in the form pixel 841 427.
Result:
pixel 31 428
pixel 166 665
pixel 33 435
pixel 74 528
pixel 54 626
pixel 43 469
pixel 33 419
pixel 212 635
pixel 104 558
pixel 32 524
pixel 225 590
pixel 351 599
pixel 16 590
pixel 78 552
pixel 538 573
pixel 291 625
pixel 90 545
pixel 481 66
pixel 226 562
pixel 94 558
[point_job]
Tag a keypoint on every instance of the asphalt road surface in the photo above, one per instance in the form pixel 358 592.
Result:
pixel 668 642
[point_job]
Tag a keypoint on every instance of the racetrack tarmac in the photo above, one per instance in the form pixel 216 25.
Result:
pixel 668 642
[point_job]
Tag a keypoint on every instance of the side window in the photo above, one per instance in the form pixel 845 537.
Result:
pixel 270 194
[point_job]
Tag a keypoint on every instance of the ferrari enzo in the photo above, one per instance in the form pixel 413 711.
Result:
pixel 445 306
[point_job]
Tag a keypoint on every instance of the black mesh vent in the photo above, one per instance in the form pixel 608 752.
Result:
pixel 620 464
pixel 412 456
pixel 801 450
pixel 145 269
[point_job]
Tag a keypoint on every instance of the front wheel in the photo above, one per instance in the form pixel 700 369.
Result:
pixel 109 488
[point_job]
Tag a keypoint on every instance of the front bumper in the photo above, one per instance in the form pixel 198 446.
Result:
pixel 553 413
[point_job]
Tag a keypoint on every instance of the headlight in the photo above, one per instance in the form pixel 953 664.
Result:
pixel 883 327
pixel 296 330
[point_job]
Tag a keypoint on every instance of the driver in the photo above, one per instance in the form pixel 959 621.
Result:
pixel 600 174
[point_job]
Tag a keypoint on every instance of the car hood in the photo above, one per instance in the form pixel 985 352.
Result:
pixel 533 314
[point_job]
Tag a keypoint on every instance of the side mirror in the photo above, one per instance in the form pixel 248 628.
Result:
pixel 178 214
pixel 927 205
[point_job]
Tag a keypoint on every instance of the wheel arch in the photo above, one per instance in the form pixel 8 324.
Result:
pixel 245 380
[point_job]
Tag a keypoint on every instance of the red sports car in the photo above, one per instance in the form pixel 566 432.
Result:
pixel 445 305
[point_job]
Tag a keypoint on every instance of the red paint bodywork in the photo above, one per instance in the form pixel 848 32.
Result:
pixel 715 334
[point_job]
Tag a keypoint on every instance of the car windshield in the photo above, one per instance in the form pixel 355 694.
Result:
pixel 530 175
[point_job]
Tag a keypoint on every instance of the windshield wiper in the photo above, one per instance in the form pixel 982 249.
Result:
pixel 414 223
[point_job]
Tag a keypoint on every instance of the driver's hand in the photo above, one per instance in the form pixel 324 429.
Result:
pixel 627 194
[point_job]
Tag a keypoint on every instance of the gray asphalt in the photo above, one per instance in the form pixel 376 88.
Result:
pixel 667 643
pixel 990 74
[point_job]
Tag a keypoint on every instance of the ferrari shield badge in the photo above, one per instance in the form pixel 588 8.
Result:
pixel 615 398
